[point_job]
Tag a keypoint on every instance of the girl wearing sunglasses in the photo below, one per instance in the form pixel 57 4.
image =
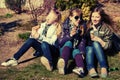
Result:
pixel 72 43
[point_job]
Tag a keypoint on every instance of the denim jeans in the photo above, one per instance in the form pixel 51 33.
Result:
pixel 91 52
pixel 43 48
pixel 74 51
pixel 50 52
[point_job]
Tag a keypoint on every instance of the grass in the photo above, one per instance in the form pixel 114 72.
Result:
pixel 24 36
pixel 37 71
pixel 6 16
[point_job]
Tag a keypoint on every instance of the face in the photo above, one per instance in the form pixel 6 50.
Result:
pixel 75 19
pixel 95 18
pixel 51 17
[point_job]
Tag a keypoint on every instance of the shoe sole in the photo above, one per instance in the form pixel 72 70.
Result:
pixel 80 75
pixel 94 75
pixel 46 63
pixel 75 72
pixel 5 65
pixel 61 66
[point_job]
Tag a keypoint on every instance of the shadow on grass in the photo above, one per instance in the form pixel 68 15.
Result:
pixel 7 26
pixel 115 49
pixel 27 60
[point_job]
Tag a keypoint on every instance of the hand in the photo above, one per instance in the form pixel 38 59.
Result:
pixel 94 38
pixel 97 39
pixel 73 31
pixel 34 32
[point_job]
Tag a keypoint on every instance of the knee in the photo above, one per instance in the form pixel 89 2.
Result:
pixel 75 52
pixel 30 40
pixel 89 50
pixel 68 43
pixel 96 44
pixel 44 45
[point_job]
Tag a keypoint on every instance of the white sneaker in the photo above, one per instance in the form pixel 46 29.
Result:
pixel 10 62
pixel 46 63
pixel 79 71
pixel 61 66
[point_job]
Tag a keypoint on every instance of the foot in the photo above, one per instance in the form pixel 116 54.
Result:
pixel 79 71
pixel 103 72
pixel 10 62
pixel 46 63
pixel 93 73
pixel 61 66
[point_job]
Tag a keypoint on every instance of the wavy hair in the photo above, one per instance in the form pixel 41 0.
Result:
pixel 105 18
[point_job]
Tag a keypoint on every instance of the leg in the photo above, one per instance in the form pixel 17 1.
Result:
pixel 65 51
pixel 46 60
pixel 29 43
pixel 90 57
pixel 101 58
pixel 90 61
pixel 64 54
pixel 79 62
pixel 99 54
pixel 78 58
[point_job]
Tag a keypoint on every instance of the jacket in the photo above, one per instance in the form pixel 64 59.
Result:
pixel 66 36
pixel 104 33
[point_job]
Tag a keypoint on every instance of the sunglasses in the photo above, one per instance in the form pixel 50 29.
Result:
pixel 77 17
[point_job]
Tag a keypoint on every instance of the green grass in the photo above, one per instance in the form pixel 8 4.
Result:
pixel 6 16
pixel 24 36
pixel 37 71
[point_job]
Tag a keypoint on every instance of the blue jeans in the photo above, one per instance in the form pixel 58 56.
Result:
pixel 43 48
pixel 74 51
pixel 91 52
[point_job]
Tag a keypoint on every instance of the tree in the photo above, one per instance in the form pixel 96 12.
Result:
pixel 15 5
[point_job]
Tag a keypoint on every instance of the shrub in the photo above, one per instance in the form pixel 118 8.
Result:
pixel 84 5
pixel 69 4
pixel 15 5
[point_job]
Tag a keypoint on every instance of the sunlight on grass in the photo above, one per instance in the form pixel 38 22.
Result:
pixel 37 71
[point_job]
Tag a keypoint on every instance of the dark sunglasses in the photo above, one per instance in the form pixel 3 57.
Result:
pixel 77 17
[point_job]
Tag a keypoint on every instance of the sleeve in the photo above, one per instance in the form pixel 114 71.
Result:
pixel 107 39
pixel 34 32
pixel 64 35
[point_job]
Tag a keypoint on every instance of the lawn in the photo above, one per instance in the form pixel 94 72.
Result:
pixel 37 71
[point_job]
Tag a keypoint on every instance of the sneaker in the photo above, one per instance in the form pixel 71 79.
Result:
pixel 10 62
pixel 93 73
pixel 79 72
pixel 104 73
pixel 46 63
pixel 61 66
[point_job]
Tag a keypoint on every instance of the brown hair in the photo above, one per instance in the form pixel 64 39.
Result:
pixel 75 10
pixel 105 18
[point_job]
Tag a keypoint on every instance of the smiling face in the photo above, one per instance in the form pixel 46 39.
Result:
pixel 95 18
